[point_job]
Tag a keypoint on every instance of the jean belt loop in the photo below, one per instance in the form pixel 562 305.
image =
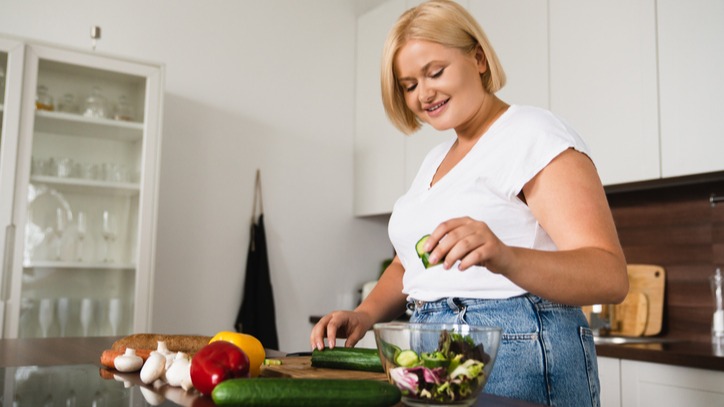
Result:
pixel 450 301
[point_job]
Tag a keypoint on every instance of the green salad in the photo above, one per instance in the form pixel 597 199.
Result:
pixel 453 372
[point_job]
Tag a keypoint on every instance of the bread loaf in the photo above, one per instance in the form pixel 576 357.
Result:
pixel 189 344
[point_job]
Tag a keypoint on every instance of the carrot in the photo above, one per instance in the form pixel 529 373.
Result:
pixel 109 355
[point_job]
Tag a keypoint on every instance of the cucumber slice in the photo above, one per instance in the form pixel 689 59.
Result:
pixel 420 249
pixel 434 359
pixel 407 358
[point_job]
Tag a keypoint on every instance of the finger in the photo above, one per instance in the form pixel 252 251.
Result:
pixel 351 341
pixel 331 335
pixel 476 257
pixel 440 231
pixel 453 247
pixel 316 338
pixel 463 246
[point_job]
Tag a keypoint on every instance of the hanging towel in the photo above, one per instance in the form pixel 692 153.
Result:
pixel 256 315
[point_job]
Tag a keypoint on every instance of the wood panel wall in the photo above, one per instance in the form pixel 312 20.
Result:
pixel 678 228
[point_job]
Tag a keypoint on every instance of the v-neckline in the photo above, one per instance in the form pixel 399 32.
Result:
pixel 431 183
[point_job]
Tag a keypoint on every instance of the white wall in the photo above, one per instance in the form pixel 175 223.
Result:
pixel 249 84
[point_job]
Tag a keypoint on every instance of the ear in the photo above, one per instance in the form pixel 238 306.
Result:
pixel 481 60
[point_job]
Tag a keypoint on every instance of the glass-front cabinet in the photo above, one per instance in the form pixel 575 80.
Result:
pixel 83 216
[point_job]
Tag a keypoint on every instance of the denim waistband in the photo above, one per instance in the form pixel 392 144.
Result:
pixel 455 303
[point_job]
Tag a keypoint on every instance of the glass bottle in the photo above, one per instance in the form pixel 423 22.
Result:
pixel 717 326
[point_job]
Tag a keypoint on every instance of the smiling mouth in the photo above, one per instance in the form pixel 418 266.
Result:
pixel 437 106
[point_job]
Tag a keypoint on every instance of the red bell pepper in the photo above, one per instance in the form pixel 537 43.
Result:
pixel 216 362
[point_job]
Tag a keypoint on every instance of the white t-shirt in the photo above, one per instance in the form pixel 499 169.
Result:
pixel 485 186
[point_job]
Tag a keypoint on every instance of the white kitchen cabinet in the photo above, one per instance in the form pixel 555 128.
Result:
pixel 80 261
pixel 690 36
pixel 603 81
pixel 609 375
pixel 378 147
pixel 386 161
pixel 646 384
pixel 518 31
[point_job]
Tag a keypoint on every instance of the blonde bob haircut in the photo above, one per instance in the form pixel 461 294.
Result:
pixel 444 22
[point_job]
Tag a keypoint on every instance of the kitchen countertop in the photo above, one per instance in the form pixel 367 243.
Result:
pixel 677 353
pixel 61 358
pixel 687 354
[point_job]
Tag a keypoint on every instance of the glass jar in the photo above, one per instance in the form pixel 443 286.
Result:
pixel 95 104
pixel 43 100
pixel 68 104
pixel 124 110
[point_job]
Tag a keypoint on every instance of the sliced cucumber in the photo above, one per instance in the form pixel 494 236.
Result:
pixel 434 359
pixel 407 358
pixel 421 253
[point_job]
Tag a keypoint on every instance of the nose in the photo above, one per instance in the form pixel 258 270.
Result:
pixel 425 93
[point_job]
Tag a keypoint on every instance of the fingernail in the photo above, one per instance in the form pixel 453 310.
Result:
pixel 320 345
pixel 433 259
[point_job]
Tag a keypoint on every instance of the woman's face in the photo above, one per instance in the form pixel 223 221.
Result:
pixel 441 85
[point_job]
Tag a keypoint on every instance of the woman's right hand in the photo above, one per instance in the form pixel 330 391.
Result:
pixel 352 325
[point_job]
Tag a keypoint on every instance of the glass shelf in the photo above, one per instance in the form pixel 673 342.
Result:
pixel 87 185
pixel 49 264
pixel 77 125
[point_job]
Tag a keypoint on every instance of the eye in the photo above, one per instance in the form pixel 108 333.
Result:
pixel 437 73
pixel 410 88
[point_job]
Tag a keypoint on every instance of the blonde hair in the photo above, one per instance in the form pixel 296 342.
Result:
pixel 444 22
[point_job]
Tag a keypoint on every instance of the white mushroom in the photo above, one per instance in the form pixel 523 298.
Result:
pixel 128 362
pixel 179 374
pixel 162 348
pixel 154 367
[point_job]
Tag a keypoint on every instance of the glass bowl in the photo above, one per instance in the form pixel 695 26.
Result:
pixel 437 364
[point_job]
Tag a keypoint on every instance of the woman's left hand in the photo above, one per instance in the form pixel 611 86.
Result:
pixel 470 241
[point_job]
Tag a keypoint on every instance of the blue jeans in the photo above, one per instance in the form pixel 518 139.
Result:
pixel 546 354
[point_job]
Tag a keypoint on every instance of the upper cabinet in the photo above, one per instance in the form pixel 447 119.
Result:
pixel 518 31
pixel 379 148
pixel 637 79
pixel 691 53
pixel 79 250
pixel 603 82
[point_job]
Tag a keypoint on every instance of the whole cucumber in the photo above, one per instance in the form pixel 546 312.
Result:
pixel 278 392
pixel 348 358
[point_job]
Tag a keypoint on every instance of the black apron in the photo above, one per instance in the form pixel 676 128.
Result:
pixel 256 315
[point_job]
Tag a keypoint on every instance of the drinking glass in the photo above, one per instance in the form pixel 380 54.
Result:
pixel 63 313
pixel 86 314
pixel 82 231
pixel 61 221
pixel 110 232
pixel 115 314
pixel 45 315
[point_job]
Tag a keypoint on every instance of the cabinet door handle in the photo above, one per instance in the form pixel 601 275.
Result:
pixel 7 261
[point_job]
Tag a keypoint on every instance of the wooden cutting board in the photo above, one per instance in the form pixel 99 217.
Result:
pixel 641 312
pixel 649 280
pixel 301 367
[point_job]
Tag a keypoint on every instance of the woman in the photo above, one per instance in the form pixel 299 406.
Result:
pixel 520 228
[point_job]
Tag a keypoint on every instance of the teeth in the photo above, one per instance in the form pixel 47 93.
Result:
pixel 436 106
